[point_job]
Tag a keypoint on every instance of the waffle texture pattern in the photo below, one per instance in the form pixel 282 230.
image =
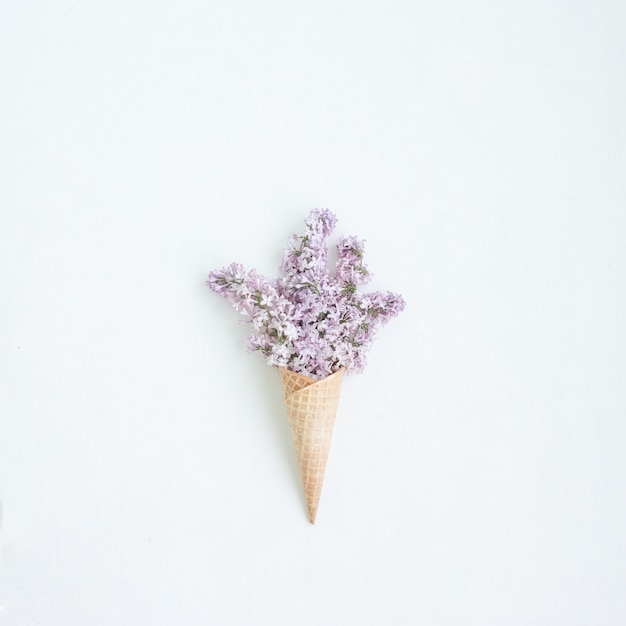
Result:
pixel 311 410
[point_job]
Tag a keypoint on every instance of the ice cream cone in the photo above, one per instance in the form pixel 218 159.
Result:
pixel 311 409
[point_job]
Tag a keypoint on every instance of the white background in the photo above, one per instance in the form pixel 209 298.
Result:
pixel 477 473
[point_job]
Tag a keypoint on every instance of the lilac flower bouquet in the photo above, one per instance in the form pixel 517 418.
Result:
pixel 313 326
pixel 309 321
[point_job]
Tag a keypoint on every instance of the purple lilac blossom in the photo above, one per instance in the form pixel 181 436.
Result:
pixel 307 320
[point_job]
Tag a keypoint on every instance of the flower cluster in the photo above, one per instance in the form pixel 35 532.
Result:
pixel 307 320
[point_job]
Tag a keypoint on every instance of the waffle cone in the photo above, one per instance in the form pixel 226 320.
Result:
pixel 311 409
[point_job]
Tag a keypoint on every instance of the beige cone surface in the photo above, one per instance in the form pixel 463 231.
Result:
pixel 311 410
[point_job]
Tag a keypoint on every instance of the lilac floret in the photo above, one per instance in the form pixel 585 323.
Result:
pixel 307 320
